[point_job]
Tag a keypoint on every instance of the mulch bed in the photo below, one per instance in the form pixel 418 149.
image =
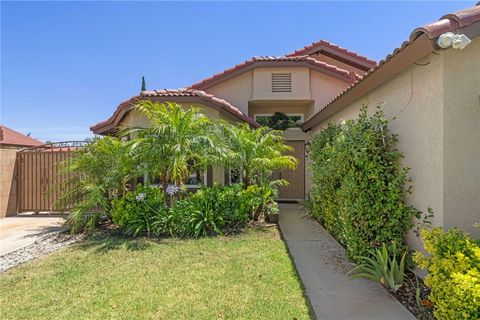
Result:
pixel 419 305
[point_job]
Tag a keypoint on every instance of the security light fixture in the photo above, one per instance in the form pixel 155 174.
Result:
pixel 450 39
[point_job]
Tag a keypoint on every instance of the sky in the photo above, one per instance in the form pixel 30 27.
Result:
pixel 67 65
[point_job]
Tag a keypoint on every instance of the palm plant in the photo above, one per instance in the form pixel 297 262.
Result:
pixel 176 143
pixel 95 175
pixel 256 153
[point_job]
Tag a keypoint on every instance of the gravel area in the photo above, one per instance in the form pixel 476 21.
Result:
pixel 40 247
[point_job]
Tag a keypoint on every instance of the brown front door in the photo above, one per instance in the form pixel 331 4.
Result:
pixel 296 178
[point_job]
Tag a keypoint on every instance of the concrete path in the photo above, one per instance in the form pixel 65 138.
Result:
pixel 323 265
pixel 17 232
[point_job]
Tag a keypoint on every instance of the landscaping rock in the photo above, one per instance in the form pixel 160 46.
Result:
pixel 40 247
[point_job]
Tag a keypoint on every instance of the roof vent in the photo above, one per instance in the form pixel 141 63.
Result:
pixel 281 82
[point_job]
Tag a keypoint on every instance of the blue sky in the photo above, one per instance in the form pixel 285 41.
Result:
pixel 67 65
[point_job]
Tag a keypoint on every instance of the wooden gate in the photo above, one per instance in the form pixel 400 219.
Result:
pixel 39 176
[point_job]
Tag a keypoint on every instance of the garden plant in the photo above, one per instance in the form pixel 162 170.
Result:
pixel 178 142
pixel 359 185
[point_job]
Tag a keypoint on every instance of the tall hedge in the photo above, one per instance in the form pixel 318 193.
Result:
pixel 359 185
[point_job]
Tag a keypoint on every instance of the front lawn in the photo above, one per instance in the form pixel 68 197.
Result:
pixel 248 276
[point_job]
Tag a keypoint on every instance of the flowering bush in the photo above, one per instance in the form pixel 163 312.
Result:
pixel 209 211
pixel 140 211
pixel 453 267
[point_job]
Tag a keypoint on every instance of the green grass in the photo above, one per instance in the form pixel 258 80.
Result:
pixel 247 276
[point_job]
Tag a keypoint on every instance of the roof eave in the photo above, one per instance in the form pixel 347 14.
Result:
pixel 204 85
pixel 420 48
pixel 110 126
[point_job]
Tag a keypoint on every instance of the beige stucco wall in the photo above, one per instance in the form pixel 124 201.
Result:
pixel 237 90
pixel 262 84
pixel 251 91
pixel 436 106
pixel 8 186
pixel 461 136
pixel 324 88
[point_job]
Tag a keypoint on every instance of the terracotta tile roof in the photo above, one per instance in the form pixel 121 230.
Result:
pixel 11 137
pixel 450 22
pixel 266 61
pixel 190 96
pixel 335 51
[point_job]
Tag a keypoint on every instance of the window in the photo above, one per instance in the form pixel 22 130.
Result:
pixel 234 176
pixel 279 120
pixel 281 82
pixel 196 180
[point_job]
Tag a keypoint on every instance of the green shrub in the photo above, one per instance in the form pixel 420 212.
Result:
pixel 382 265
pixel 358 184
pixel 453 267
pixel 210 210
pixel 140 211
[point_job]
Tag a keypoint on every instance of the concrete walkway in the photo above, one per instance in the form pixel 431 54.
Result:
pixel 19 231
pixel 323 265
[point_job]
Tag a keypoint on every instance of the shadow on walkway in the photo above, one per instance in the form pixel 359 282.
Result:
pixel 322 264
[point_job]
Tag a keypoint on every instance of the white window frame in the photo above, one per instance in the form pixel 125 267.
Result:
pixel 302 117
pixel 188 186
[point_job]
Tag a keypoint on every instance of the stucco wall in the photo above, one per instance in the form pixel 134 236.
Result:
pixel 8 186
pixel 237 90
pixel 262 84
pixel 415 98
pixel 251 91
pixel 462 137
pixel 436 106
pixel 324 88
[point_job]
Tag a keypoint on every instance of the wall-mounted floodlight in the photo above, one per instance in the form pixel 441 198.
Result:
pixel 450 39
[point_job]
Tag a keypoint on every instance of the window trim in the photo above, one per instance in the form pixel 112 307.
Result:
pixel 188 186
pixel 302 117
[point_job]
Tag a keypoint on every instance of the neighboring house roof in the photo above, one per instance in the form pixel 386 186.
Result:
pixel 13 138
pixel 422 41
pixel 336 52
pixel 283 61
pixel 190 96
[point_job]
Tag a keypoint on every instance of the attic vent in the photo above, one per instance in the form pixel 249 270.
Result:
pixel 281 82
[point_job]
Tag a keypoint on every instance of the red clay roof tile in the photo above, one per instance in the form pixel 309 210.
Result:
pixel 322 45
pixel 449 22
pixel 11 137
pixel 265 60
pixel 176 95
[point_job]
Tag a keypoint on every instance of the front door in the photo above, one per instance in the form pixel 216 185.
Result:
pixel 296 178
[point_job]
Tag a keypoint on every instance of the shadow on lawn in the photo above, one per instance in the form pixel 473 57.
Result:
pixel 103 242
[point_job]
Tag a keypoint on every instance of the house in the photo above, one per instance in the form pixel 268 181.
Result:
pixel 297 85
pixel 10 142
pixel 433 93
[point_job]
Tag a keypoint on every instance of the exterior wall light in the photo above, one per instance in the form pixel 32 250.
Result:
pixel 450 39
